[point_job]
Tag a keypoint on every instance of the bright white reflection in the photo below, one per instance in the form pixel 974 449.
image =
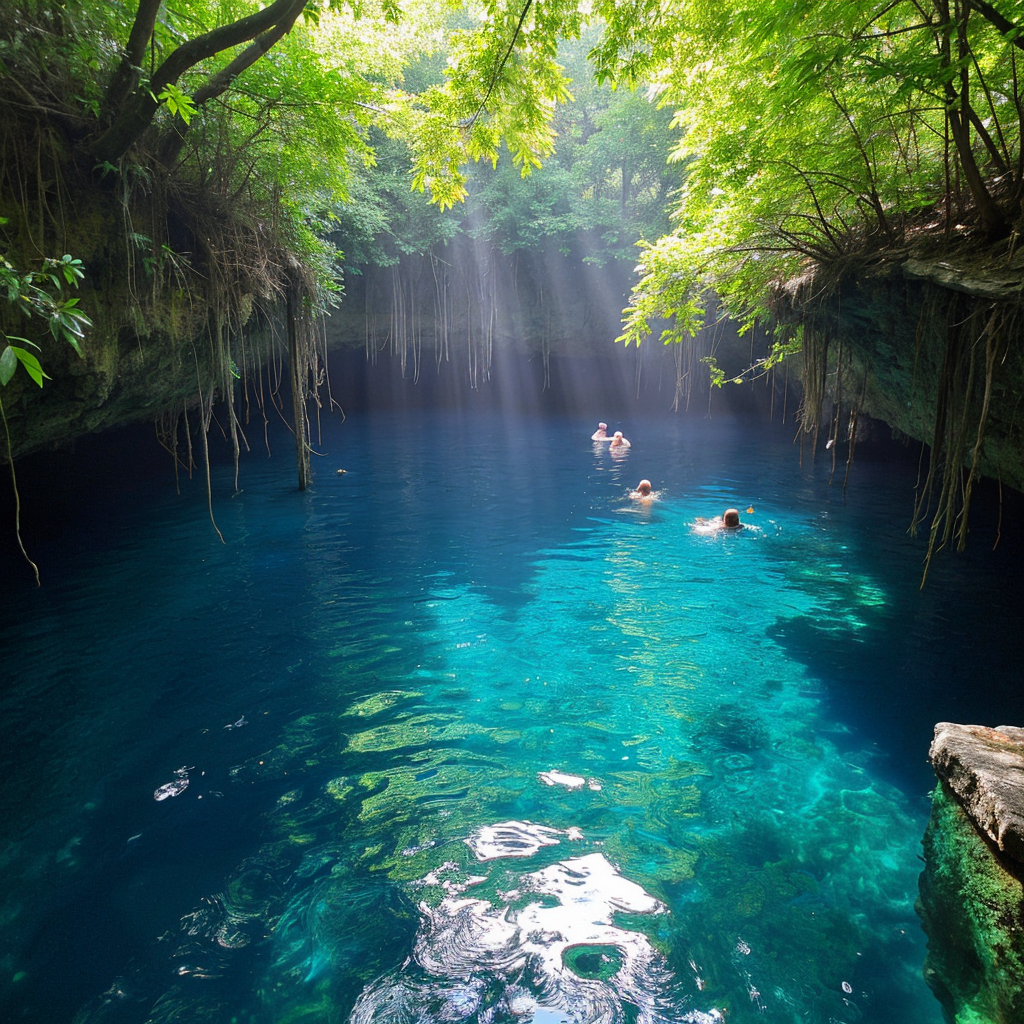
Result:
pixel 549 951
pixel 511 839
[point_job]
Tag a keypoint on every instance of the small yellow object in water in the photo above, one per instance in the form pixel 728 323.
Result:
pixel 751 509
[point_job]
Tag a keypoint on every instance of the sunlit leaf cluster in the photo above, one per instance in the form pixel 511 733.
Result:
pixel 815 133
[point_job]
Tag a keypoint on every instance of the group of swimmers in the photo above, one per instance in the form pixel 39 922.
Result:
pixel 730 517
pixel 615 441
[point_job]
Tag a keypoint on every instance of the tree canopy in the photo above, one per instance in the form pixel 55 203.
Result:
pixel 810 126
pixel 819 132
pixel 812 131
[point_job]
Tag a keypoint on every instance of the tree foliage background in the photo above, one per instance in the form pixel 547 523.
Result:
pixel 200 157
pixel 821 133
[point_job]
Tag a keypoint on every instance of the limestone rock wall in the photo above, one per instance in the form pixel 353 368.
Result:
pixel 908 338
pixel 971 901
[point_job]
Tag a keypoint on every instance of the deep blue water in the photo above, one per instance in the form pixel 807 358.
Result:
pixel 463 733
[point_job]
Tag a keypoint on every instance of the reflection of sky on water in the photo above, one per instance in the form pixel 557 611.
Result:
pixel 551 951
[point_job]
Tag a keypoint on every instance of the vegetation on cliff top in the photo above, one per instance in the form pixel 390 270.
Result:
pixel 826 137
pixel 822 131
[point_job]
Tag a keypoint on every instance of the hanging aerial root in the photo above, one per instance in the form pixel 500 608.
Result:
pixel 997 330
pixel 204 423
pixel 953 422
pixel 17 497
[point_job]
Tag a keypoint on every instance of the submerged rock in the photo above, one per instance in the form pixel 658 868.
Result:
pixel 971 900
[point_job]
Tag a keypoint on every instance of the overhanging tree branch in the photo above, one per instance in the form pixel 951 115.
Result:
pixel 126 78
pixel 1007 27
pixel 138 112
pixel 218 84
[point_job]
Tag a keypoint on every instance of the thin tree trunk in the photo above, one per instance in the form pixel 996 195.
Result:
pixel 958 109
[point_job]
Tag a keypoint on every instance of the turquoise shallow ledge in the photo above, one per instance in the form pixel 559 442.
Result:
pixel 465 734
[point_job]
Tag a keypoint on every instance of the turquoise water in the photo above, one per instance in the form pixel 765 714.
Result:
pixel 464 734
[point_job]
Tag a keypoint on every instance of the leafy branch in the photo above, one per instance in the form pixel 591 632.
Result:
pixel 38 295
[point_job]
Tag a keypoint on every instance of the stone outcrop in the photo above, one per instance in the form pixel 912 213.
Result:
pixel 971 900
pixel 985 769
pixel 913 333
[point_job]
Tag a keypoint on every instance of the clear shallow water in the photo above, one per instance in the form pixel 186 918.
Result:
pixel 464 735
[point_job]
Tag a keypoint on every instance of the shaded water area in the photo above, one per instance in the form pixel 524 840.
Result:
pixel 464 734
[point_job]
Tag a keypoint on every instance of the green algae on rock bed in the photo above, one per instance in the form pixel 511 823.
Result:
pixel 972 908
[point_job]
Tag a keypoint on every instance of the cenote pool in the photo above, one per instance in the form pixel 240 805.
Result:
pixel 463 734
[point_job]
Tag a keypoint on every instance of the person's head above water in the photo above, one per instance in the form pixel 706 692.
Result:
pixel 731 519
pixel 643 493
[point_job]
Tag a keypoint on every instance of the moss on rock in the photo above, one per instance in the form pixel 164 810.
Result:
pixel 972 908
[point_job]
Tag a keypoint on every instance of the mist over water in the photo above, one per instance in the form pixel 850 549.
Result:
pixel 465 734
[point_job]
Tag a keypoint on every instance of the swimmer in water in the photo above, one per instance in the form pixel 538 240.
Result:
pixel 643 492
pixel 601 434
pixel 618 441
pixel 730 521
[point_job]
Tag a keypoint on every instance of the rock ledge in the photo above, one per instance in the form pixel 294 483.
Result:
pixel 971 891
pixel 985 770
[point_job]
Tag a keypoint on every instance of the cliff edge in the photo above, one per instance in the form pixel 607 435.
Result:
pixel 971 901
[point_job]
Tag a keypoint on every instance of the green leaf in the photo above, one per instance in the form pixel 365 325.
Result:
pixel 8 364
pixel 72 269
pixel 177 102
pixel 31 364
pixel 24 341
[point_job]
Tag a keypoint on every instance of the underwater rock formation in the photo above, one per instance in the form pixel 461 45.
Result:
pixel 971 900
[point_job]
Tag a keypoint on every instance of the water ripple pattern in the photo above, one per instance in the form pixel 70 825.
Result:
pixel 463 734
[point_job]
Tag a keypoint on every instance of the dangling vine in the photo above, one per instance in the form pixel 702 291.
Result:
pixel 442 309
pixel 971 329
pixel 36 295
pixel 976 343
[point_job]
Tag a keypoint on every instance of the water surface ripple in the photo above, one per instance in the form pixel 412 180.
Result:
pixel 465 734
